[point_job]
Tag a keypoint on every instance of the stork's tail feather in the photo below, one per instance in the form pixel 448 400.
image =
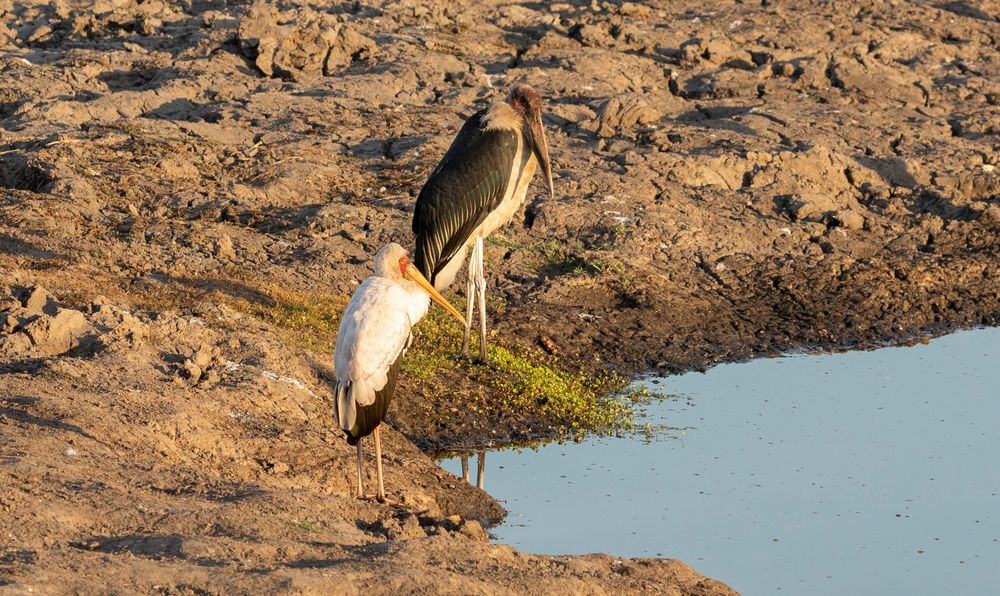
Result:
pixel 352 407
pixel 344 408
pixel 363 391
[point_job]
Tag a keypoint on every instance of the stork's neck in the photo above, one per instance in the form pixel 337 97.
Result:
pixel 501 116
pixel 419 302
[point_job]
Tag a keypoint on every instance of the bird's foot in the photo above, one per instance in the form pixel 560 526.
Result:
pixel 481 360
pixel 381 500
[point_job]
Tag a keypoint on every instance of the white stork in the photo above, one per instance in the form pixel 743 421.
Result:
pixel 374 334
pixel 477 187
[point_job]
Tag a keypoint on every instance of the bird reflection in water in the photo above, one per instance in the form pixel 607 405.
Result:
pixel 480 467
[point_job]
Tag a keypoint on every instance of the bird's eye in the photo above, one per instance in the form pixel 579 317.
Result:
pixel 403 264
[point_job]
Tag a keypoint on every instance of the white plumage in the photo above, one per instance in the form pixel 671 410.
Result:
pixel 374 333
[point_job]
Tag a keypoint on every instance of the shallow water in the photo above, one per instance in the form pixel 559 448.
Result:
pixel 861 472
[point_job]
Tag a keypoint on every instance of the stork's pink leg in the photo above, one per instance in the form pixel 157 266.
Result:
pixel 378 463
pixel 361 488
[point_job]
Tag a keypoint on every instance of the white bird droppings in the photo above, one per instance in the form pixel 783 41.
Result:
pixel 290 380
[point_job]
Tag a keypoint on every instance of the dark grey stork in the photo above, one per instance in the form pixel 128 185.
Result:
pixel 477 187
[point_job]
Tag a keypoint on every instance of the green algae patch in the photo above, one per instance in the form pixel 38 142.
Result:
pixel 523 381
pixel 574 401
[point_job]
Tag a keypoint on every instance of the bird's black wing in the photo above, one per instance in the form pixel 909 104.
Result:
pixel 462 190
pixel 370 416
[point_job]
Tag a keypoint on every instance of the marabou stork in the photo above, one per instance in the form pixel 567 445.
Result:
pixel 476 188
pixel 374 334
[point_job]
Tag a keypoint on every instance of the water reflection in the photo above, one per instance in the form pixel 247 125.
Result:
pixel 480 467
pixel 647 433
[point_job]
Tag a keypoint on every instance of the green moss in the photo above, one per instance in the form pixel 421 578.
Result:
pixel 574 401
pixel 523 380
pixel 308 526
pixel 558 258
pixel 309 321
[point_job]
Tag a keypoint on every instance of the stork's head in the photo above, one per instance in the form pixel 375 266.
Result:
pixel 392 263
pixel 528 104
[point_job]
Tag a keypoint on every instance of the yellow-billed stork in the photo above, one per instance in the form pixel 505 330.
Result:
pixel 477 187
pixel 374 334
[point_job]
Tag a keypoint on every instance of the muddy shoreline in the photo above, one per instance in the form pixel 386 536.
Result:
pixel 732 181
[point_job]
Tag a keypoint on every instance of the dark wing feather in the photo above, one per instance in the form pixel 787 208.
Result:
pixel 368 417
pixel 464 188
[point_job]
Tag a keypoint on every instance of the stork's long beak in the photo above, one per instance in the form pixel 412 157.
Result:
pixel 540 147
pixel 413 274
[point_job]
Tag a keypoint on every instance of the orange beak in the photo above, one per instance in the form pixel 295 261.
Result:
pixel 413 274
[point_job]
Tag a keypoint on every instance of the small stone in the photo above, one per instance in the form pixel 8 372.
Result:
pixel 404 528
pixel 593 36
pixel 624 112
pixel 691 50
pixel 8 323
pixel 473 530
pixel 224 248
pixel 36 299
pixel 450 523
pixel 55 335
pixel 202 357
pixel 39 34
pixel 72 452
pixel 192 370
pixel 8 303
pixel 347 47
pixel 14 345
pixel 148 25
pixel 849 219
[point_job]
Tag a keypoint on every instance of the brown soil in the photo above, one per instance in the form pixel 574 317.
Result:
pixel 731 180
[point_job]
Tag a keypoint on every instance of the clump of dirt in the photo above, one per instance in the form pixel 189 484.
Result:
pixel 301 43
pixel 732 180
pixel 34 326
pixel 621 113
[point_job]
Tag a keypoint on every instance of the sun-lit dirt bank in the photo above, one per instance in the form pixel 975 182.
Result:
pixel 732 179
